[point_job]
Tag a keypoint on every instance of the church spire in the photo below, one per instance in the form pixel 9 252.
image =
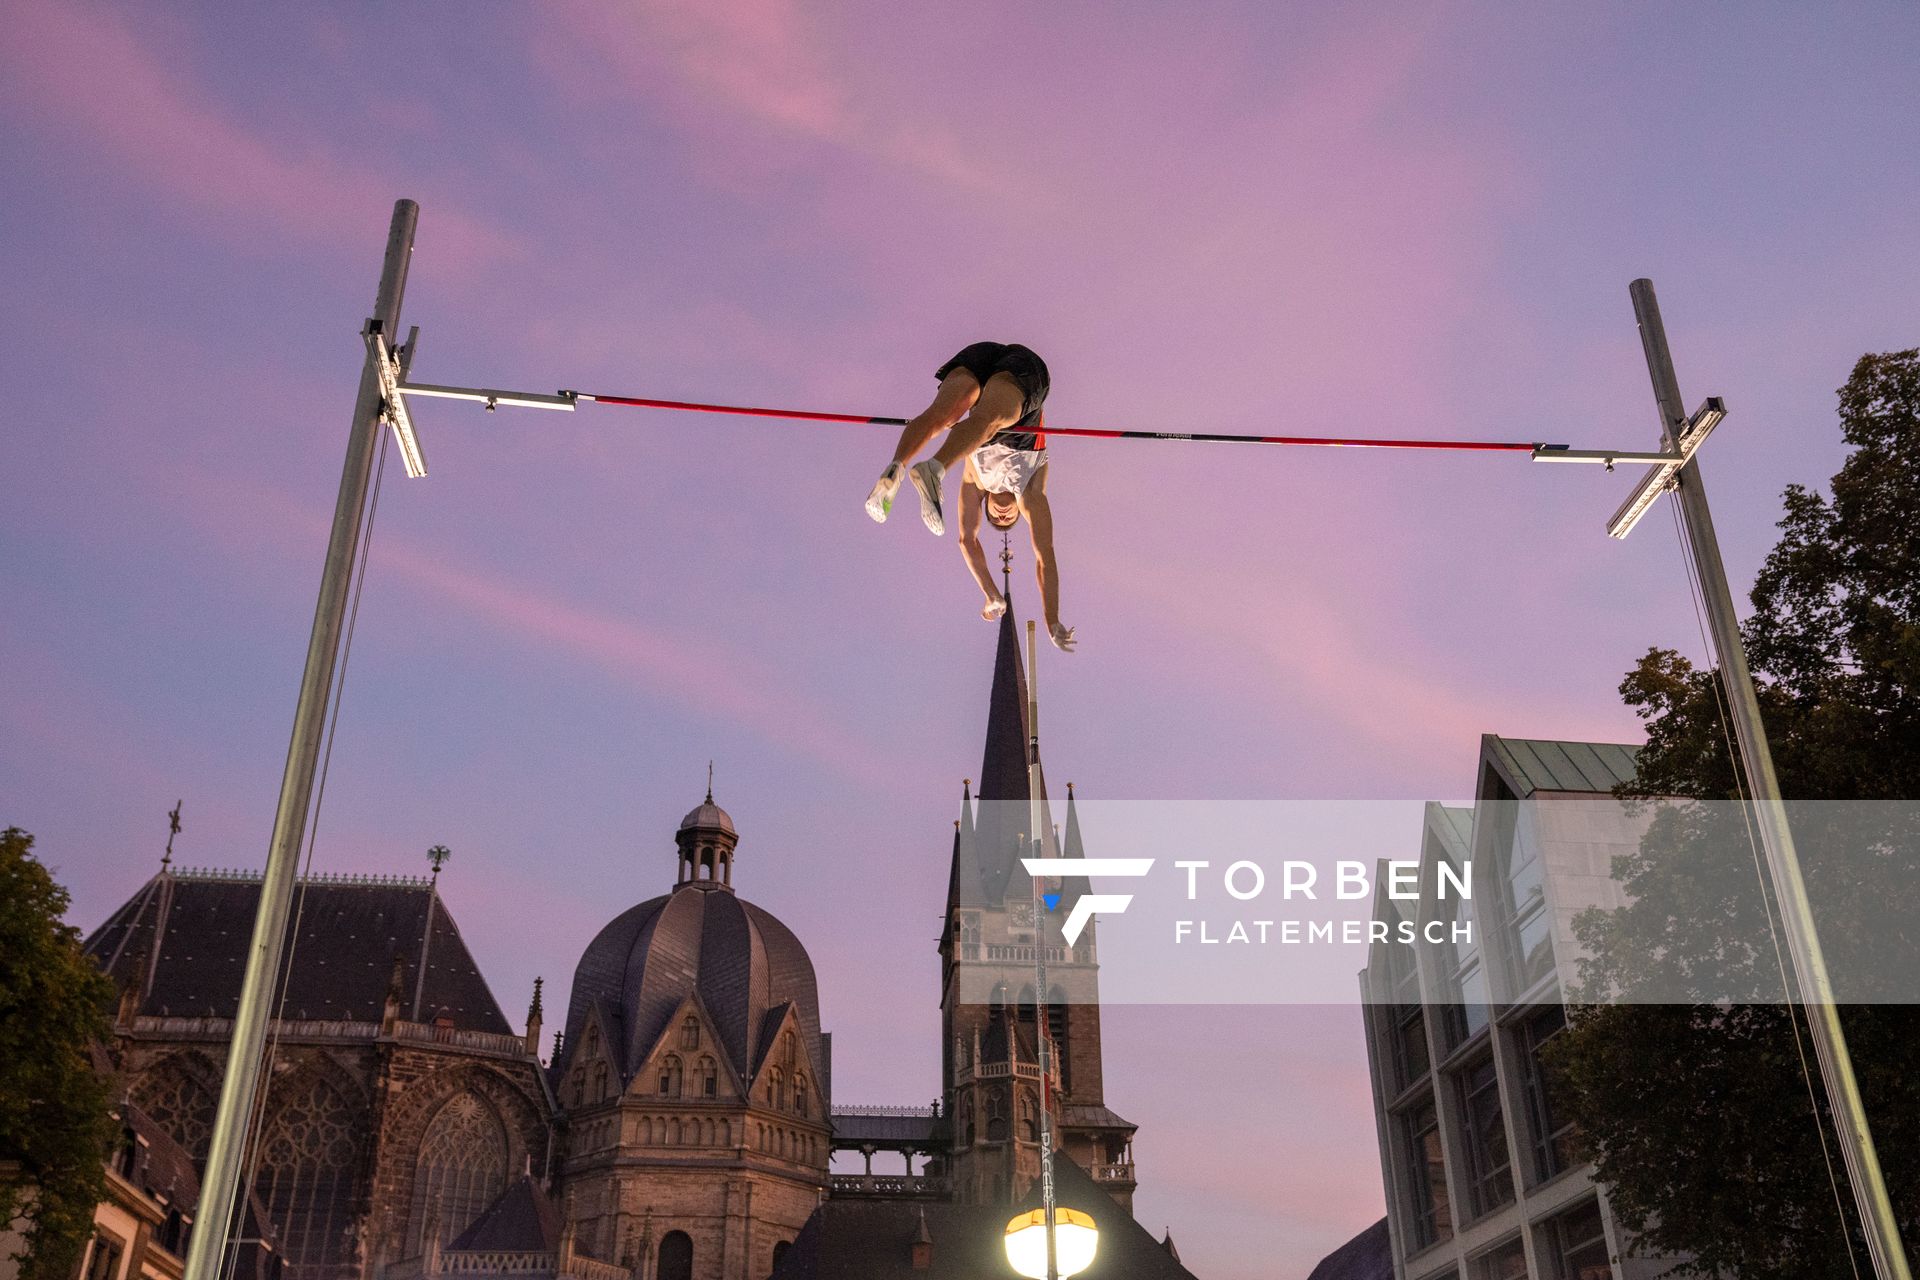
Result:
pixel 1005 796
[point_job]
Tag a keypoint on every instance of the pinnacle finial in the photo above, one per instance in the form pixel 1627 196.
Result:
pixel 709 782
pixel 438 856
pixel 173 829
pixel 1006 563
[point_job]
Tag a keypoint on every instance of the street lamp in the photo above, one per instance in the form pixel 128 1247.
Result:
pixel 1075 1239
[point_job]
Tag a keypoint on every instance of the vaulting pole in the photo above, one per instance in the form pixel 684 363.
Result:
pixel 226 1157
pixel 1763 788
pixel 1037 827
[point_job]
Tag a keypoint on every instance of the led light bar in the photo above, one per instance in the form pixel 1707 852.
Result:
pixel 394 407
pixel 1662 477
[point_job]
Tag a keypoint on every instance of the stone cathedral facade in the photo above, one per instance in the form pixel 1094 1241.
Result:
pixel 682 1125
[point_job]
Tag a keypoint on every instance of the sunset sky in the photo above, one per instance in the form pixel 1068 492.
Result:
pixel 1251 217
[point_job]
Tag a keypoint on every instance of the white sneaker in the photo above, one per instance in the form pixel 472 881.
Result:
pixel 1062 637
pixel 880 501
pixel 927 477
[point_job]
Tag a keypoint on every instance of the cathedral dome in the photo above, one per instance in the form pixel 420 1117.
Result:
pixel 701 942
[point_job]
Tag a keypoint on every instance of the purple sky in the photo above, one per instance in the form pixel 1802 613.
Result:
pixel 1240 217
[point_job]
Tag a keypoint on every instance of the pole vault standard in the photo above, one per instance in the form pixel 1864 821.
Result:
pixel 226 1157
pixel 1877 1218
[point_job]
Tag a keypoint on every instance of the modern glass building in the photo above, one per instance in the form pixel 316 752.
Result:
pixel 1482 1177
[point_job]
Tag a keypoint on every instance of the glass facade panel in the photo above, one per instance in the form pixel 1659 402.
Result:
pixel 1552 1134
pixel 1489 1164
pixel 1508 1262
pixel 1427 1177
pixel 1580 1245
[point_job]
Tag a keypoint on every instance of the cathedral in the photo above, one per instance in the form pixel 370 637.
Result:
pixel 681 1125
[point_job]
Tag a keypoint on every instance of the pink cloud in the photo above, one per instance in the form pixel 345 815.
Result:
pixel 82 73
pixel 700 673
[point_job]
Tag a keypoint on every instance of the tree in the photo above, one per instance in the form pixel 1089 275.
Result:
pixel 55 1010
pixel 1698 1115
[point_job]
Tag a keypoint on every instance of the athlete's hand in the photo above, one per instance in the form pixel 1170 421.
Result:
pixel 1062 637
pixel 994 608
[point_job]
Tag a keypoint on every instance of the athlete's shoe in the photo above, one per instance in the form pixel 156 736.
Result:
pixel 927 477
pixel 880 501
pixel 1062 637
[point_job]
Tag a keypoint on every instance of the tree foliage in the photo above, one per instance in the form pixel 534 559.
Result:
pixel 1698 1116
pixel 54 1012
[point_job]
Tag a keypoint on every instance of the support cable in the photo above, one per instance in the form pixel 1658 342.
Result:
pixel 1696 598
pixel 256 1123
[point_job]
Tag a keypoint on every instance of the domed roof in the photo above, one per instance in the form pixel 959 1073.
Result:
pixel 708 816
pixel 740 961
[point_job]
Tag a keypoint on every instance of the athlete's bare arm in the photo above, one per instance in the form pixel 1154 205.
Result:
pixel 971 498
pixel 1039 513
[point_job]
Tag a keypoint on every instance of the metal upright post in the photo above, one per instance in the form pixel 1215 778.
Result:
pixel 1763 788
pixel 220 1189
pixel 1037 827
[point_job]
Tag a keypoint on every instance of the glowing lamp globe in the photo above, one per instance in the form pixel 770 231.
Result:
pixel 1075 1239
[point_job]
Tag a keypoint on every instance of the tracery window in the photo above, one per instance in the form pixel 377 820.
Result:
pixel 800 1093
pixel 690 1033
pixel 308 1156
pixel 462 1168
pixel 1029 1117
pixel 600 1083
pixel 708 1076
pixel 670 1076
pixel 776 1088
pixel 180 1105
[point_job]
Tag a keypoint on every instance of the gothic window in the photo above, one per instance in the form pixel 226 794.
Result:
pixel 579 1085
pixel 670 1076
pixel 786 1048
pixel 996 1117
pixel 1029 1118
pixel 308 1155
pixel 780 1252
pixel 462 1168
pixel 600 1083
pixel 690 1033
pixel 180 1105
pixel 966 1120
pixel 676 1256
pixel 709 1078
pixel 800 1094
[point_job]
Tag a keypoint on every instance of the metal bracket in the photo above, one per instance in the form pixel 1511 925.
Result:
pixel 1666 475
pixel 393 407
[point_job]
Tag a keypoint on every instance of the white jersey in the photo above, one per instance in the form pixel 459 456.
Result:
pixel 1000 469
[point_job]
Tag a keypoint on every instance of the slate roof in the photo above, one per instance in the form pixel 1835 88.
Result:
pixel 886 1125
pixel 523 1220
pixel 873 1239
pixel 739 960
pixel 1537 764
pixel 342 957
pixel 986 850
pixel 1368 1256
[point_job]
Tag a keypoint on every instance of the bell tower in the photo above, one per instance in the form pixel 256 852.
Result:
pixel 991 1015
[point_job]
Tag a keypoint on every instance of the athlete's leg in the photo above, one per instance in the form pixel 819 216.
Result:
pixel 957 394
pixel 998 406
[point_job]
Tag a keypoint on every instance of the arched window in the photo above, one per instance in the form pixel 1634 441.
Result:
pixel 676 1131
pixel 308 1155
pixel 676 1256
pixel 690 1033
pixel 966 1119
pixel 780 1252
pixel 708 1076
pixel 1029 1117
pixel 776 1088
pixel 786 1048
pixel 462 1168
pixel 800 1093
pixel 670 1076
pixel 180 1105
pixel 600 1083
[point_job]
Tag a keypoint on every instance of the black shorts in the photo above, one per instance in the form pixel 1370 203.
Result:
pixel 1028 370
